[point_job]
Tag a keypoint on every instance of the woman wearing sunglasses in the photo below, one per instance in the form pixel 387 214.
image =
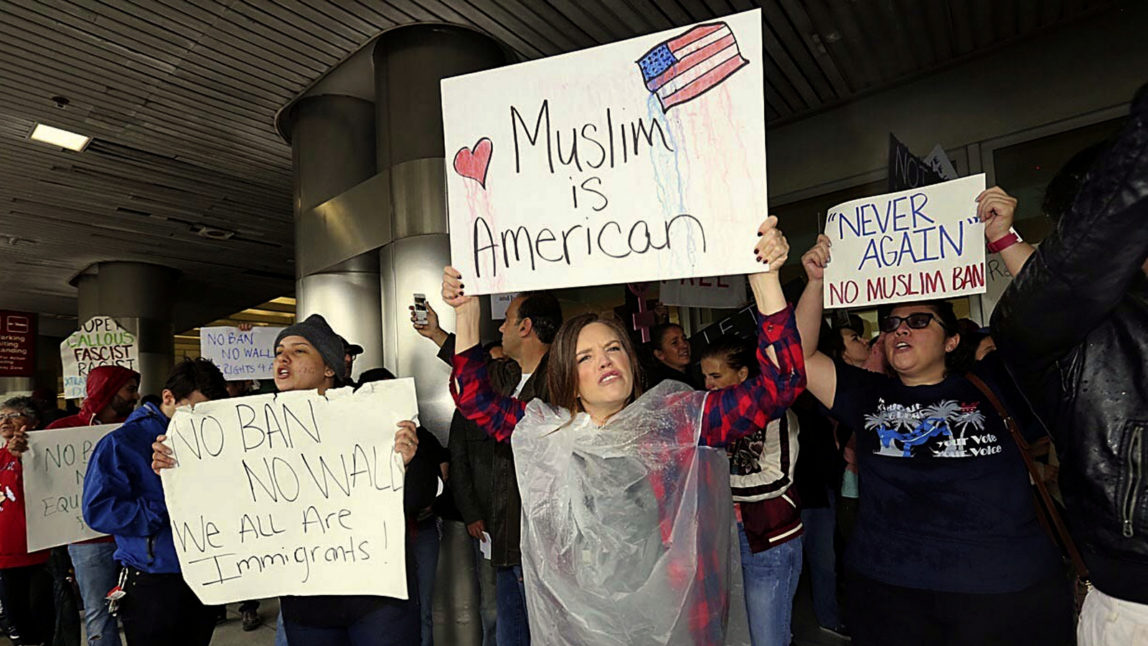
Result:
pixel 947 548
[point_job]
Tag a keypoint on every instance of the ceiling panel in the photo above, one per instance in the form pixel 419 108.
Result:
pixel 180 96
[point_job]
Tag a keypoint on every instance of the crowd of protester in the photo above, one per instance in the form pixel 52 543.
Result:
pixel 619 493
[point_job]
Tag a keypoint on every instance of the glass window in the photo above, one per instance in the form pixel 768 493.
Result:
pixel 1025 169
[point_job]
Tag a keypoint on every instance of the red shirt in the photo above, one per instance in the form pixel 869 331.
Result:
pixel 13 530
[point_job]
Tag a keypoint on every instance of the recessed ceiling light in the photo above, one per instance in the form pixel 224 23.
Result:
pixel 212 233
pixel 59 138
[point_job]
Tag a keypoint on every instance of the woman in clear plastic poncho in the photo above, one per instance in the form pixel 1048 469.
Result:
pixel 626 513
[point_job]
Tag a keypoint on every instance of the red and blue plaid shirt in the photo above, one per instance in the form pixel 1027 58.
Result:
pixel 728 414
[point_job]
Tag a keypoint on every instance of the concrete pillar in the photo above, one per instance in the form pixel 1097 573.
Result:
pixel 333 145
pixel 139 296
pixel 410 62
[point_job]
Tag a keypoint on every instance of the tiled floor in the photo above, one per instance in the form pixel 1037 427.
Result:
pixel 230 632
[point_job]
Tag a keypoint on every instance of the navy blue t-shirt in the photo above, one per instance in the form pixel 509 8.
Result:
pixel 945 503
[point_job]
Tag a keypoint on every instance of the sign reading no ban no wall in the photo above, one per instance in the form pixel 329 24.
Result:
pixel 291 494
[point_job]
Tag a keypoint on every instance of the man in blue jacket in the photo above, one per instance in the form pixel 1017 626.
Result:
pixel 124 497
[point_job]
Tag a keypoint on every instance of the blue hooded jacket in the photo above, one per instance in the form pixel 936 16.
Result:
pixel 124 497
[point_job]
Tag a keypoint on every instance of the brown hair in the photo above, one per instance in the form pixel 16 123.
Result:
pixel 562 373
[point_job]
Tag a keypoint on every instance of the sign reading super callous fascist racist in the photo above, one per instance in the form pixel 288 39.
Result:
pixel 99 342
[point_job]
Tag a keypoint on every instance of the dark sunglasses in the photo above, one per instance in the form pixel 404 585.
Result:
pixel 916 321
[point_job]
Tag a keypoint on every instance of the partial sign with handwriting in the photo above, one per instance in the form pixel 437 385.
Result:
pixel 54 469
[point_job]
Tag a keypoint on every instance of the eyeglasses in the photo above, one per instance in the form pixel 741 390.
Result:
pixel 4 417
pixel 916 321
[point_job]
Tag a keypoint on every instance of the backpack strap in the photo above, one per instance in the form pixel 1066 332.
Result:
pixel 1047 511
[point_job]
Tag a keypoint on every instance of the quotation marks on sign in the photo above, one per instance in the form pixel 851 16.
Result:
pixel 474 162
pixel 684 68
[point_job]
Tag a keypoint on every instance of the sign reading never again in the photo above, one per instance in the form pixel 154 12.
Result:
pixel 919 244
pixel 291 494
pixel 636 161
pixel 54 469
pixel 99 342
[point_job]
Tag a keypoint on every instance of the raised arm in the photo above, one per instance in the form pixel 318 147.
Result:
pixel 431 329
pixel 997 209
pixel 1087 265
pixel 495 414
pixel 821 376
pixel 739 410
pixel 110 505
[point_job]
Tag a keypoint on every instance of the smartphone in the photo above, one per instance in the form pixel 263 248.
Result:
pixel 420 309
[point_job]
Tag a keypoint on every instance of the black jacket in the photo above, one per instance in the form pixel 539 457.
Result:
pixel 1073 328
pixel 483 480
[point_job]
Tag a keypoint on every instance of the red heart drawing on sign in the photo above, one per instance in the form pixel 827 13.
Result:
pixel 473 162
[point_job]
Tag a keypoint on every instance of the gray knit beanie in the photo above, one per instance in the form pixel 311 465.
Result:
pixel 330 345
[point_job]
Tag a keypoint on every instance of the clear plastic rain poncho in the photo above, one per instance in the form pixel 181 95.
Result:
pixel 618 519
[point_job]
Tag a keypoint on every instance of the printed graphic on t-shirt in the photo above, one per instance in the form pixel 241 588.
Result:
pixel 946 429
pixel 745 454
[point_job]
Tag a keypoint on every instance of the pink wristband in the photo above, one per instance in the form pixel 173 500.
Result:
pixel 1004 243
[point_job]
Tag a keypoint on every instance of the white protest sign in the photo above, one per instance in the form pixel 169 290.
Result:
pixel 919 244
pixel 940 163
pixel 54 468
pixel 291 494
pixel 997 280
pixel 725 292
pixel 499 303
pixel 240 355
pixel 636 161
pixel 99 342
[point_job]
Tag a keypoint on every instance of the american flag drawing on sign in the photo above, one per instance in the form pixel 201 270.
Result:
pixel 685 67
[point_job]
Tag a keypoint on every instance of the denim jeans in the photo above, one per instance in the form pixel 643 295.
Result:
pixel 280 631
pixel 513 627
pixel 485 579
pixel 820 556
pixel 770 582
pixel 428 536
pixel 96 574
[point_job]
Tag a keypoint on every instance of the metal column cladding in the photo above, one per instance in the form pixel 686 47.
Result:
pixel 409 63
pixel 333 148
